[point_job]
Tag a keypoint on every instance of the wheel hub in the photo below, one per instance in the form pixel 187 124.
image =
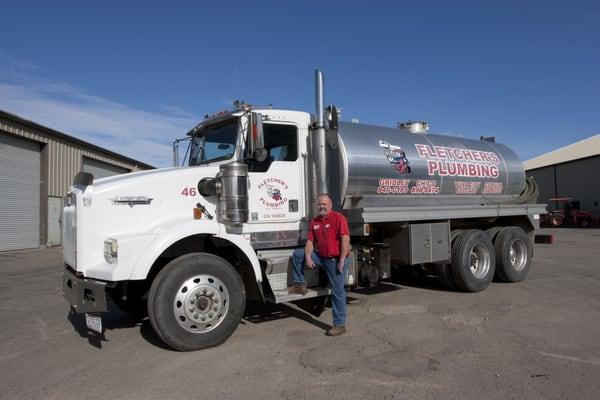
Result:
pixel 201 303
pixel 479 260
pixel 518 255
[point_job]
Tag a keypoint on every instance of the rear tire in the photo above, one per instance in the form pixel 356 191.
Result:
pixel 493 232
pixel 512 254
pixel 196 302
pixel 473 261
pixel 444 274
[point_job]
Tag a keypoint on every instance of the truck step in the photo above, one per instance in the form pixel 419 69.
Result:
pixel 282 296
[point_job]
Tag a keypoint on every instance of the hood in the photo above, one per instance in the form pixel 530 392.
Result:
pixel 152 179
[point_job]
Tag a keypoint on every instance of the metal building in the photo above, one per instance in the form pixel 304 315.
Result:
pixel 37 164
pixel 570 171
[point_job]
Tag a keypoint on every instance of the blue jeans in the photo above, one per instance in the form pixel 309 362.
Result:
pixel 335 278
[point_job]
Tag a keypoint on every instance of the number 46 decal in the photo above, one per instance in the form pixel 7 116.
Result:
pixel 188 191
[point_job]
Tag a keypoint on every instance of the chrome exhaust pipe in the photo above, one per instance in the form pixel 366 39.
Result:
pixel 317 142
pixel 319 98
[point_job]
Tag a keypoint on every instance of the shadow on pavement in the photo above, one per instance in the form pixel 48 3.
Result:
pixel 111 320
pixel 150 336
pixel 383 287
pixel 257 313
pixel 413 277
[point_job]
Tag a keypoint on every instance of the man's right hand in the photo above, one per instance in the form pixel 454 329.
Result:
pixel 309 262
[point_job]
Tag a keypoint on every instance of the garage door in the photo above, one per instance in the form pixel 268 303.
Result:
pixel 19 193
pixel 101 169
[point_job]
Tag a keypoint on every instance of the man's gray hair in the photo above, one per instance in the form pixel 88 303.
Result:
pixel 326 195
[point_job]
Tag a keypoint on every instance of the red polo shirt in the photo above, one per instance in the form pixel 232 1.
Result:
pixel 326 233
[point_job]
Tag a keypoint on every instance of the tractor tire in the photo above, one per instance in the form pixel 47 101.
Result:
pixel 196 302
pixel 585 223
pixel 556 220
pixel 512 254
pixel 473 261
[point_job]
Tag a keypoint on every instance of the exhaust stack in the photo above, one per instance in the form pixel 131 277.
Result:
pixel 319 162
pixel 319 98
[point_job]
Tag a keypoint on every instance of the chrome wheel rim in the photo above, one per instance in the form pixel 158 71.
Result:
pixel 518 255
pixel 201 303
pixel 479 261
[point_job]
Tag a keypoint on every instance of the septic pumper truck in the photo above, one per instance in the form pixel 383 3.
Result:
pixel 189 245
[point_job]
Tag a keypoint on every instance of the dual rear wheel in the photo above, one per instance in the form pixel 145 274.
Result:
pixel 478 256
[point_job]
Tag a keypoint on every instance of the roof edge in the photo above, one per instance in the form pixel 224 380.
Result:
pixel 585 148
pixel 70 138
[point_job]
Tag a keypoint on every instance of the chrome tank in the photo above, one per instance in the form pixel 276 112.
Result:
pixel 371 166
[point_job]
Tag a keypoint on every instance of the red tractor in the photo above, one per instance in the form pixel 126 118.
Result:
pixel 567 211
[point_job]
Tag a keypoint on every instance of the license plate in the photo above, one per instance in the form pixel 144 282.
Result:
pixel 94 322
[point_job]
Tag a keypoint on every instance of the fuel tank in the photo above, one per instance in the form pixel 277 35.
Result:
pixel 372 166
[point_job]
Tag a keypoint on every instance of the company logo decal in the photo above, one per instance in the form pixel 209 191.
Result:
pixel 456 161
pixel 274 192
pixel 396 157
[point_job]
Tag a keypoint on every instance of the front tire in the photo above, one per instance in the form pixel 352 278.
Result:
pixel 473 261
pixel 196 302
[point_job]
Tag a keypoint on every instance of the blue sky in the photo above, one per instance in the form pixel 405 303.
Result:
pixel 133 76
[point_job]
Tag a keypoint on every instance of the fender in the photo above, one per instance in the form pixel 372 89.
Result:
pixel 182 230
pixel 244 245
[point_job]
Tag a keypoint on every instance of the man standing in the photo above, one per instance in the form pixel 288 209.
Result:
pixel 327 247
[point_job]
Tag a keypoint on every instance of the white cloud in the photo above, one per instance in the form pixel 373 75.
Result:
pixel 9 63
pixel 140 134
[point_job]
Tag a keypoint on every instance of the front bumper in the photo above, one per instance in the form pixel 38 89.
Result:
pixel 84 295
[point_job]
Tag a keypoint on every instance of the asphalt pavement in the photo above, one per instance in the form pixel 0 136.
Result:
pixel 410 339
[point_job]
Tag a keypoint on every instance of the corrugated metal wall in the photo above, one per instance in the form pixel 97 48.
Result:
pixel 64 158
pixel 575 179
pixel 20 185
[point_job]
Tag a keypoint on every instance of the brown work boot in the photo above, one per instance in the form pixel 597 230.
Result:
pixel 336 331
pixel 297 288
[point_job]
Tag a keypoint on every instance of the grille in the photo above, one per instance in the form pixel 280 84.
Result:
pixel 70 230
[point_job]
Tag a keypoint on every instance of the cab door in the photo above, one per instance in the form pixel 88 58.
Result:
pixel 276 184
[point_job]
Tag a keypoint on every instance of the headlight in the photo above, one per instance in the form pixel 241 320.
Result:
pixel 69 199
pixel 111 249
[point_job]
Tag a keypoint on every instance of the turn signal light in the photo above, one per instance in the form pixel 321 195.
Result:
pixel 197 213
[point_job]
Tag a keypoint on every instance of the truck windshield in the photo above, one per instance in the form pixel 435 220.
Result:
pixel 214 143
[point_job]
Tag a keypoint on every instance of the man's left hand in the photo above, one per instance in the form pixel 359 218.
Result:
pixel 340 266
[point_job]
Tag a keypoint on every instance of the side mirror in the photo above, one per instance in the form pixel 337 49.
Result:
pixel 257 139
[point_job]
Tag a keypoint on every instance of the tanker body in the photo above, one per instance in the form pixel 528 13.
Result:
pixel 386 167
pixel 193 243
